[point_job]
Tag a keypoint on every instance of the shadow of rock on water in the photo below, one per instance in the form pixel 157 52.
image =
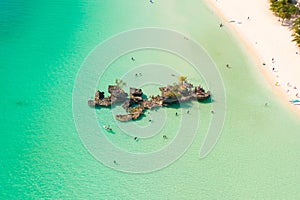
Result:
pixel 206 101
pixel 144 96
pixel 180 105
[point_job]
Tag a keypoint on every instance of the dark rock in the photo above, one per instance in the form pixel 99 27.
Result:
pixel 99 95
pixel 105 102
pixel 136 95
pixel 200 94
pixel 136 92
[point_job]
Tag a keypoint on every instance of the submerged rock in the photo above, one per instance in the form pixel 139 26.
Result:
pixel 117 94
pixel 124 118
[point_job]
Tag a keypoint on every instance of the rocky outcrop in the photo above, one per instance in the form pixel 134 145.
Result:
pixel 117 94
pixel 136 104
pixel 200 94
pixel 153 102
pixel 99 95
pixel 136 95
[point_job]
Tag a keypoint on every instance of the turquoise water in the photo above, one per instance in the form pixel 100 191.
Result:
pixel 43 45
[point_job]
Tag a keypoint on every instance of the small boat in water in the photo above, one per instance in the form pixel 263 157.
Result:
pixel 107 128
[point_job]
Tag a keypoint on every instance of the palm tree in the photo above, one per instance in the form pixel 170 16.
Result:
pixel 296 36
pixel 287 10
pixel 274 6
pixel 182 79
pixel 296 24
pixel 284 9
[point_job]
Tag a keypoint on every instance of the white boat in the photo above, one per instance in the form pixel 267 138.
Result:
pixel 295 102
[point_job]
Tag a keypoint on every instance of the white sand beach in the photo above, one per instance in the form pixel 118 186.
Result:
pixel 268 41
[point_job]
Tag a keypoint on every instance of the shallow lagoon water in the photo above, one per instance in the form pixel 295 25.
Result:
pixel 42 48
